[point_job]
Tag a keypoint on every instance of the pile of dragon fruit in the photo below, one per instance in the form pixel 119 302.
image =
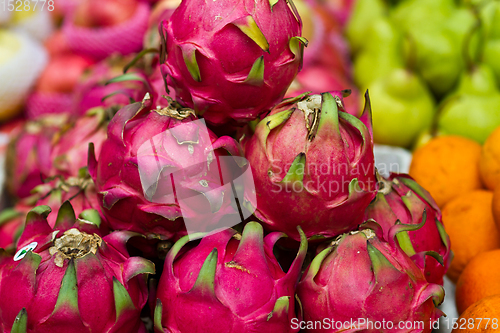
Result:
pixel 196 181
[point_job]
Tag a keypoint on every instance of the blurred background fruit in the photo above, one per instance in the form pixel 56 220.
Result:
pixel 22 59
pixel 450 48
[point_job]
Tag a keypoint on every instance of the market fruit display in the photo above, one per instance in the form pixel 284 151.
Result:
pixel 213 166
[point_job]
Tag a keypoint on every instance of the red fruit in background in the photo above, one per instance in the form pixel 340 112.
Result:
pixel 57 44
pixel 103 13
pixel 62 73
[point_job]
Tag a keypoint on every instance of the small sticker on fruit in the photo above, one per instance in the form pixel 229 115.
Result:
pixel 22 252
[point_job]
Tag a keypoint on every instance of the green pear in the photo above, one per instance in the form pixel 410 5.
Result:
pixel 491 56
pixel 10 46
pixel 479 81
pixel 473 110
pixel 439 47
pixel 402 107
pixel 381 55
pixel 438 57
pixel 364 13
pixel 410 13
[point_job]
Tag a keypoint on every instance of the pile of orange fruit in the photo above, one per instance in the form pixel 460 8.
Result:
pixel 464 179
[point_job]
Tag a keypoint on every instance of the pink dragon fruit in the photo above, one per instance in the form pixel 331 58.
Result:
pixel 161 167
pixel 401 200
pixel 80 191
pixel 228 60
pixel 362 284
pixel 313 166
pixel 228 283
pixel 70 144
pixel 28 154
pixel 71 280
pixel 100 88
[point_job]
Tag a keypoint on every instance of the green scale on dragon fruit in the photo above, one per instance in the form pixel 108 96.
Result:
pixel 71 279
pixel 313 166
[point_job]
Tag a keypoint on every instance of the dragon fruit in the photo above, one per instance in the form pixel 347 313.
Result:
pixel 80 191
pixel 71 280
pixel 28 154
pixel 228 283
pixel 160 168
pixel 362 284
pixel 228 60
pixel 313 166
pixel 70 145
pixel 401 199
pixel 106 86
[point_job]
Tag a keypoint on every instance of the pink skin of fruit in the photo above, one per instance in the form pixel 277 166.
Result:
pixel 401 200
pixel 317 79
pixel 95 90
pixel 100 290
pixel 71 144
pixel 28 154
pixel 228 283
pixel 321 178
pixel 361 277
pixel 228 61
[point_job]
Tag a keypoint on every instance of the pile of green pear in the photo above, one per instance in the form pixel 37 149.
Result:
pixel 432 67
